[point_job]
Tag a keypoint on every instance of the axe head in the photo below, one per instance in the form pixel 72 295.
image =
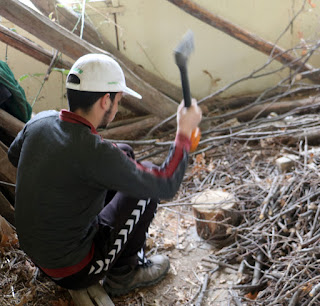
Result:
pixel 184 49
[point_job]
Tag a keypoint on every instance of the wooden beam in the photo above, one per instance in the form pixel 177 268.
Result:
pixel 30 48
pixel 280 107
pixel 123 122
pixel 244 36
pixel 66 42
pixel 130 131
pixel 6 209
pixel 8 173
pixel 10 124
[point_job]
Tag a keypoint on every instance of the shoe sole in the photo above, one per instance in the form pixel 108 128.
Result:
pixel 118 292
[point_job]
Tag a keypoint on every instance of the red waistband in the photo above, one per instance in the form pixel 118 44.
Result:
pixel 67 271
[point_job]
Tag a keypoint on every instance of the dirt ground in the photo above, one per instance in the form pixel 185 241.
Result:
pixel 175 235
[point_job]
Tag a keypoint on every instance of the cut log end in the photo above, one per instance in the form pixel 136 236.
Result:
pixel 215 217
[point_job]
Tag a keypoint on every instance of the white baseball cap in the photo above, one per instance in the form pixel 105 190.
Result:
pixel 99 73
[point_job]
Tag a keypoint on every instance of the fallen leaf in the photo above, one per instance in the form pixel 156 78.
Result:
pixel 8 236
pixel 252 295
pixel 60 302
pixel 168 244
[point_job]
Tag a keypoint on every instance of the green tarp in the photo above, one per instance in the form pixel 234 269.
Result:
pixel 18 106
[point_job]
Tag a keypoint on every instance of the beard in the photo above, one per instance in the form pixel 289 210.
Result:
pixel 108 115
pixel 106 119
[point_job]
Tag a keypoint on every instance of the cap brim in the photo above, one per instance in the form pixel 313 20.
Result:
pixel 131 92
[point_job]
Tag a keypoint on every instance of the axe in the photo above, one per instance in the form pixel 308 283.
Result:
pixel 181 55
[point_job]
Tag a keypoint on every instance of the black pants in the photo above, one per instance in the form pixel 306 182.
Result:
pixel 123 224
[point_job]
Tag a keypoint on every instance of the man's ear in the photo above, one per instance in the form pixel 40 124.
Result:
pixel 105 102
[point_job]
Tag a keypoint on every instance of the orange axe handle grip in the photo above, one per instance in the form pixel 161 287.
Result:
pixel 195 138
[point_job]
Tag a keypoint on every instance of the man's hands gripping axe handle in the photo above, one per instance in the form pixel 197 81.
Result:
pixel 181 53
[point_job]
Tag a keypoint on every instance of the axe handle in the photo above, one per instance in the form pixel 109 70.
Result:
pixel 185 85
pixel 196 134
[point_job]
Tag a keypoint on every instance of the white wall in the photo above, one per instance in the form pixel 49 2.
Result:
pixel 149 30
pixel 52 93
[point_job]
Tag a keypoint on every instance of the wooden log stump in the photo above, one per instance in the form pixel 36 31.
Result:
pixel 91 296
pixel 215 216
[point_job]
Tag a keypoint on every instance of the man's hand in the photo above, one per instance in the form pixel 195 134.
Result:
pixel 189 118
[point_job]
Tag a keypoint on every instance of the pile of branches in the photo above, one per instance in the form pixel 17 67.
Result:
pixel 275 249
pixel 22 284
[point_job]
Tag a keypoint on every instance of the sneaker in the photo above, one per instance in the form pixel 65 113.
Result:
pixel 120 281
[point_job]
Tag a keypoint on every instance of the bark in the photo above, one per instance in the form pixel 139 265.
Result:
pixel 123 122
pixel 264 110
pixel 130 131
pixel 30 48
pixel 244 36
pixel 69 19
pixel 234 101
pixel 311 135
pixel 3 146
pixel 6 209
pixel 10 124
pixel 7 174
pixel 63 40
pixel 223 104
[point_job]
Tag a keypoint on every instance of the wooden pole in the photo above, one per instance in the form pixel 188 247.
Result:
pixel 6 209
pixel 30 48
pixel 244 36
pixel 8 175
pixel 10 124
pixel 263 110
pixel 130 131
